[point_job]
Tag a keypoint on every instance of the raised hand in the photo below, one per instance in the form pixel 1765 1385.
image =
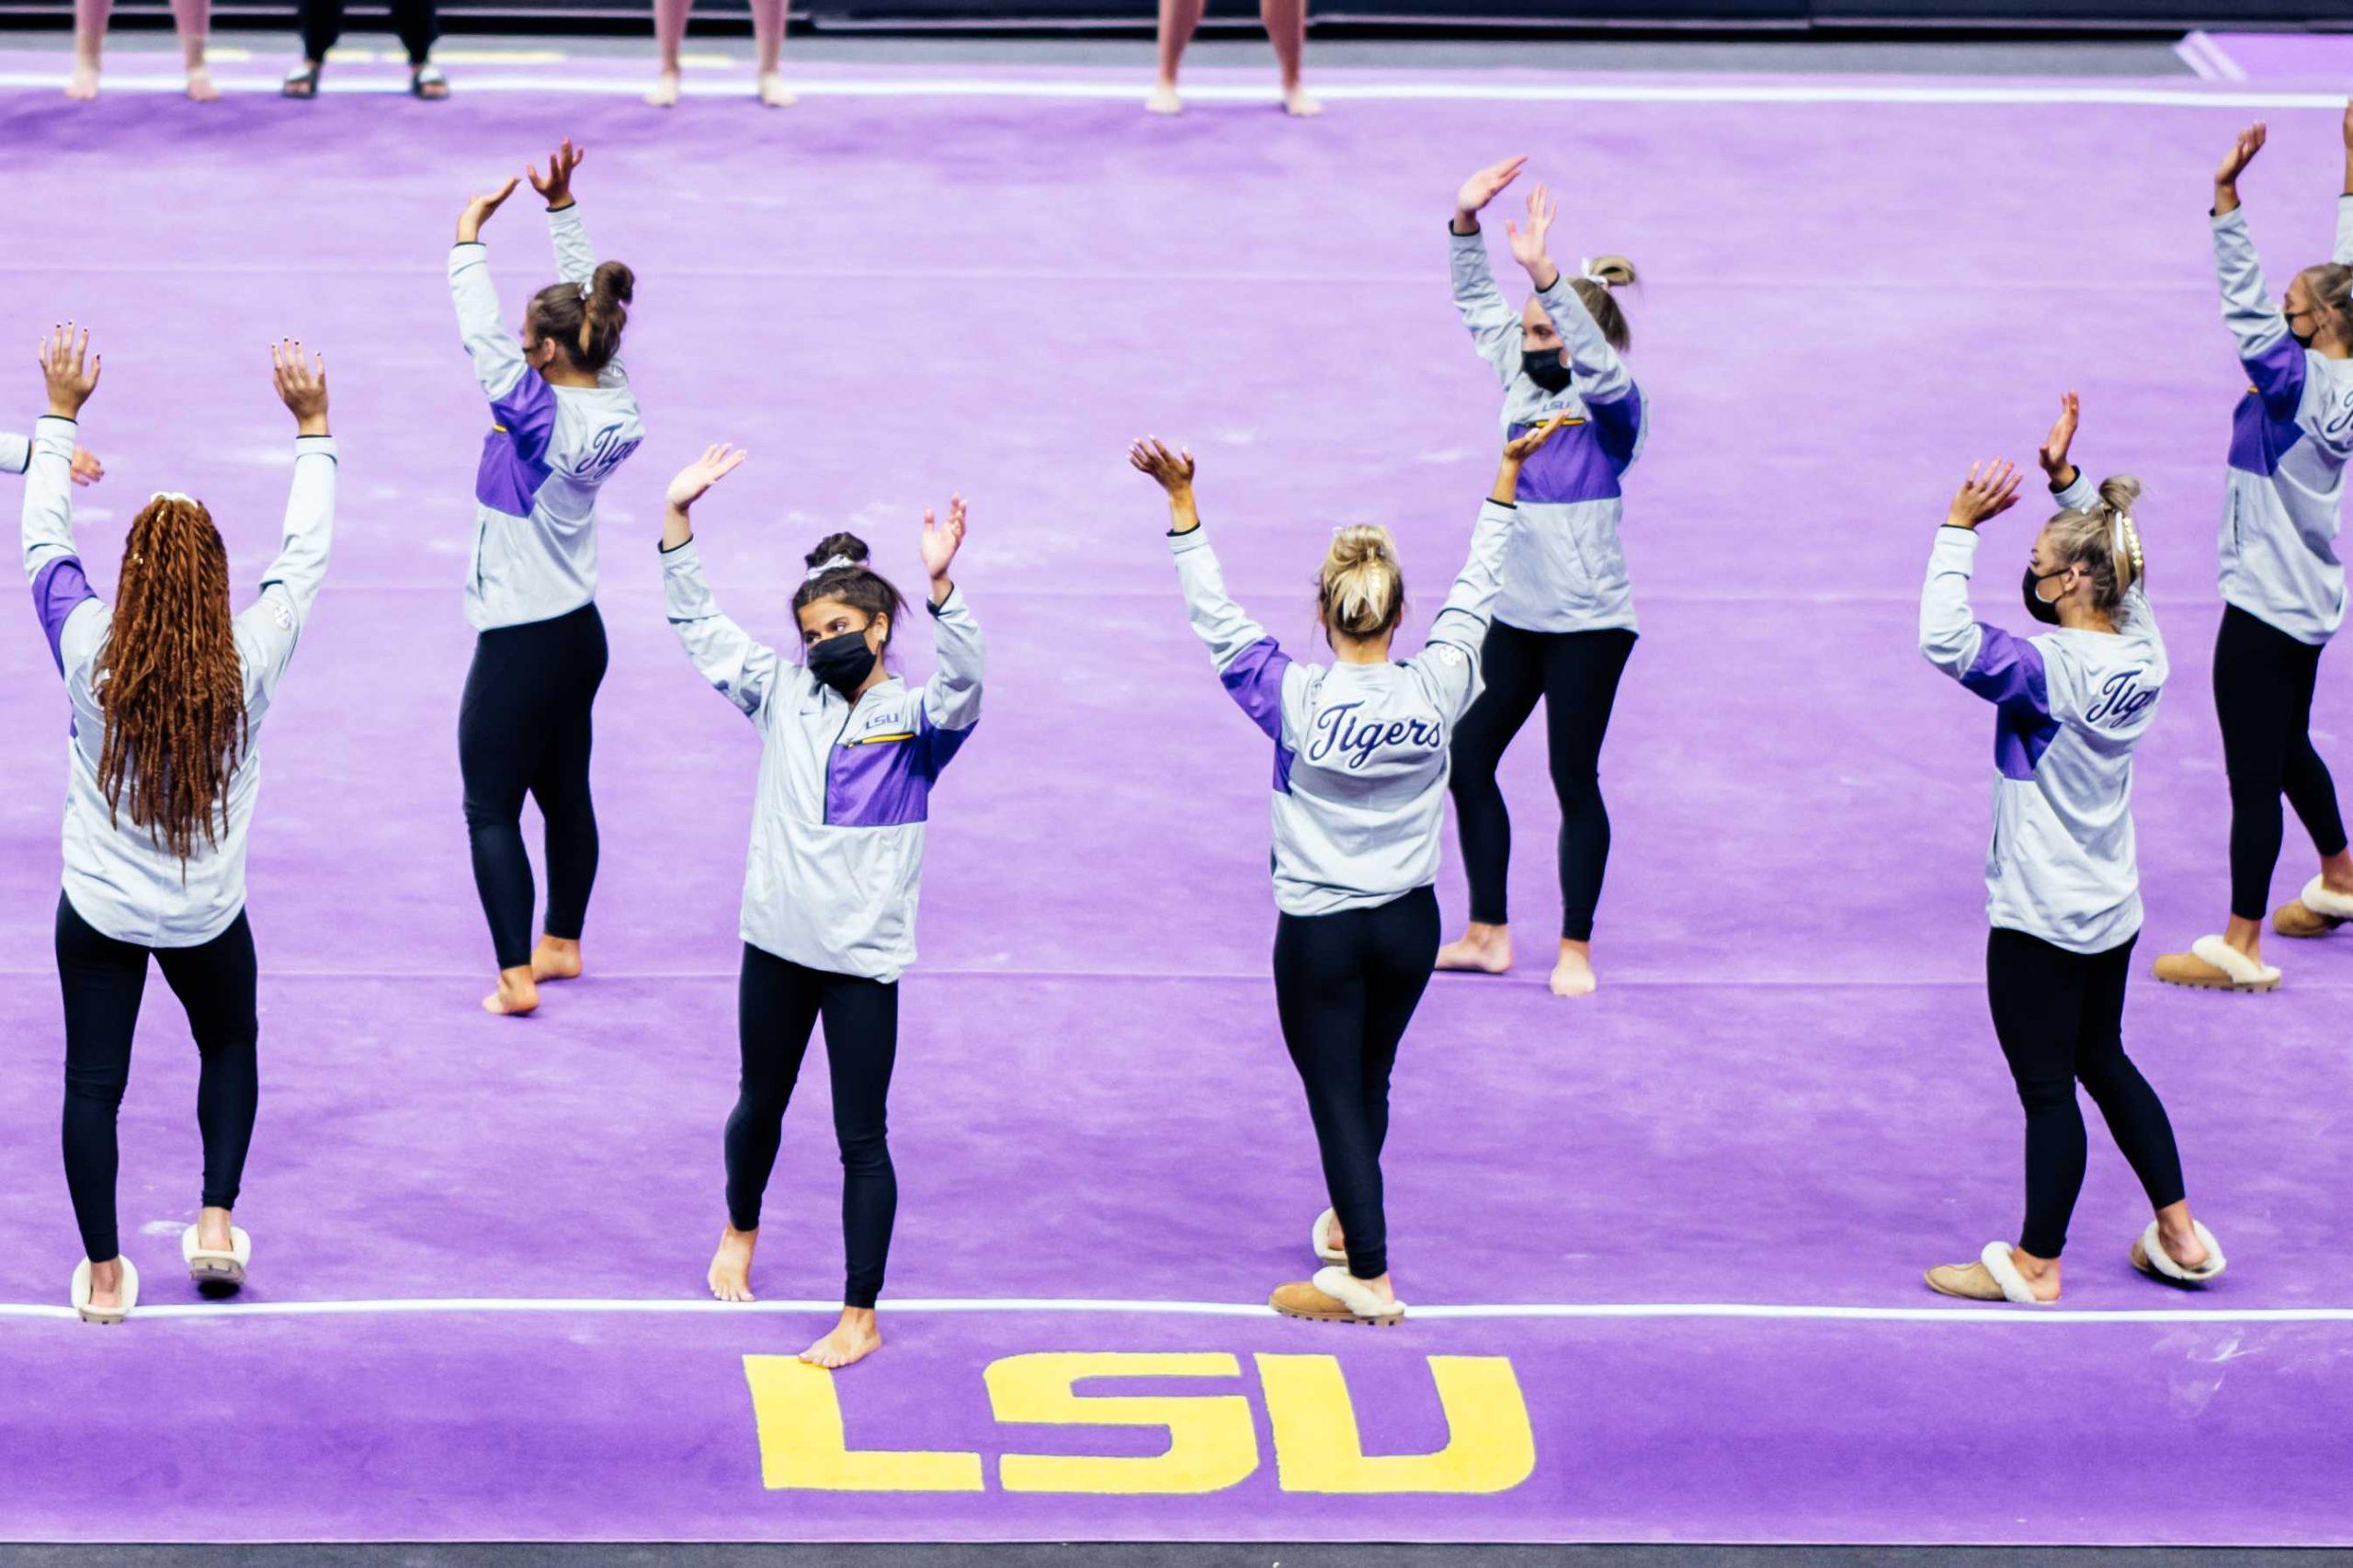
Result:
pixel 2053 454
pixel 69 369
pixel 1482 188
pixel 1172 472
pixel 478 211
pixel 86 467
pixel 1528 245
pixel 1991 489
pixel 2243 150
pixel 2349 125
pixel 940 542
pixel 715 464
pixel 557 187
pixel 302 383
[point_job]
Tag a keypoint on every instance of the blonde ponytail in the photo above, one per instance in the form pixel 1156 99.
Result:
pixel 1360 593
pixel 2105 541
pixel 1600 274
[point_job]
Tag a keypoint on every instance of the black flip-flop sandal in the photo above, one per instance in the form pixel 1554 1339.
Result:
pixel 425 77
pixel 302 82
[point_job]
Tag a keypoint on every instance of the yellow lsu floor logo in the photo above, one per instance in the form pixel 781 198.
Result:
pixel 1212 1441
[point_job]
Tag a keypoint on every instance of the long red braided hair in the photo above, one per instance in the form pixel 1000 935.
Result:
pixel 169 681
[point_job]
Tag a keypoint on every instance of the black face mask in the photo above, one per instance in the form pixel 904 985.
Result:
pixel 843 662
pixel 1544 368
pixel 2037 606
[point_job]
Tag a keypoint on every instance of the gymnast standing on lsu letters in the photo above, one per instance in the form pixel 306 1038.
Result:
pixel 1360 765
pixel 2063 883
pixel 1565 617
pixel 563 420
pixel 2283 587
pixel 849 756
pixel 167 691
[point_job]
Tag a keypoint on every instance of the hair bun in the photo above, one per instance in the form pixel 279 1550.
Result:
pixel 613 280
pixel 1356 545
pixel 2119 492
pixel 838 547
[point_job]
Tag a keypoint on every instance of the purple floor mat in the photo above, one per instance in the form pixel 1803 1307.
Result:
pixel 1786 1096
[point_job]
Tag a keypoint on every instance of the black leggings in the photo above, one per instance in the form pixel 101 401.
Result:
pixel 525 728
pixel 777 1004
pixel 1576 675
pixel 2263 694
pixel 1345 986
pixel 2060 1016
pixel 414 20
pixel 102 980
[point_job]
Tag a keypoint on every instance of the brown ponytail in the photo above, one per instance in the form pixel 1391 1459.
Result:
pixel 586 323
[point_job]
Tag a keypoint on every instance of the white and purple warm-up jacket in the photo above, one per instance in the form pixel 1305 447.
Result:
pixel 2070 706
pixel 1361 751
pixel 837 827
pixel 118 877
pixel 1565 570
pixel 549 450
pixel 2289 438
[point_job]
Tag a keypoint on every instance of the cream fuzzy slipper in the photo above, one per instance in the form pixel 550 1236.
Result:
pixel 81 1294
pixel 1335 1296
pixel 2150 1258
pixel 1993 1278
pixel 2212 965
pixel 217 1271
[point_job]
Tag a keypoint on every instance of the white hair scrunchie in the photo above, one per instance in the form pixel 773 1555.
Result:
pixel 1586 270
pixel 831 563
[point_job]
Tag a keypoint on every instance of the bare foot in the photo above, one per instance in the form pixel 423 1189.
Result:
pixel 556 958
pixel 2041 1274
pixel 853 1339
pixel 2178 1236
pixel 1573 975
pixel 1334 1237
pixel 1299 104
pixel 105 1284
pixel 2337 872
pixel 1163 100
pixel 774 93
pixel 212 1231
pixel 665 91
pixel 200 86
pixel 517 994
pixel 84 85
pixel 1483 949
pixel 730 1266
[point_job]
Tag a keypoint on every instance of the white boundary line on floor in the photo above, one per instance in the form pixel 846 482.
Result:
pixel 1642 1310
pixel 1125 89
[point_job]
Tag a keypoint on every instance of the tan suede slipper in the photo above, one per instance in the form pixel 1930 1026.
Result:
pixel 1333 1296
pixel 1994 1277
pixel 2293 919
pixel 2315 912
pixel 2212 965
